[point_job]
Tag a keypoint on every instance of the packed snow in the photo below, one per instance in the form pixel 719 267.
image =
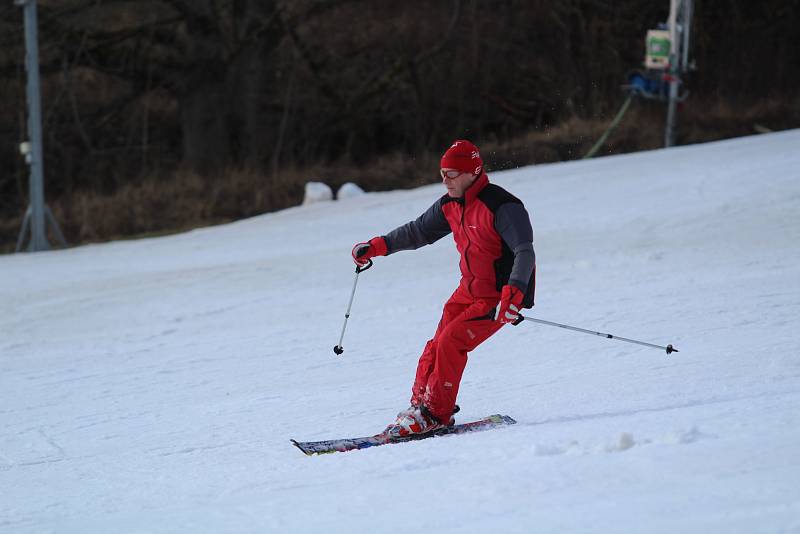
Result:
pixel 153 385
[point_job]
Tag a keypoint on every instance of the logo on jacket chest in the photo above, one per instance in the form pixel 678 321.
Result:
pixel 474 221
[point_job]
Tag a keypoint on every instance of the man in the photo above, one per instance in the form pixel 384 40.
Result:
pixel 494 236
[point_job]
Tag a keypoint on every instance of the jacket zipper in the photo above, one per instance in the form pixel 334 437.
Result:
pixel 466 249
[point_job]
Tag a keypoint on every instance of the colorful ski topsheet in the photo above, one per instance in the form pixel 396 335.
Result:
pixel 343 445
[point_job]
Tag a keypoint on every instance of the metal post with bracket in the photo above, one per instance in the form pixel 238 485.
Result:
pixel 38 214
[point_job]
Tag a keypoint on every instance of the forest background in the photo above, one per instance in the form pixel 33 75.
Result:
pixel 164 115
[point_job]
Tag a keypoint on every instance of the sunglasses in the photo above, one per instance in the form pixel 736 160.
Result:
pixel 450 173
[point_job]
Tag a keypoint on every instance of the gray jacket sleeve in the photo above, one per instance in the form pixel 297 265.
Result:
pixel 426 229
pixel 514 226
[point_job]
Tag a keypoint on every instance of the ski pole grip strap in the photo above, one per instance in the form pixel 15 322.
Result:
pixel 360 268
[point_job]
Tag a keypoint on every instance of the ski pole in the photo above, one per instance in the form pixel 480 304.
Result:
pixel 338 349
pixel 669 348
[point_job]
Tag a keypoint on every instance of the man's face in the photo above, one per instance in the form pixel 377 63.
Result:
pixel 456 181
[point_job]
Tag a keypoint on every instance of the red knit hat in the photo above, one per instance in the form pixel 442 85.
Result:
pixel 464 156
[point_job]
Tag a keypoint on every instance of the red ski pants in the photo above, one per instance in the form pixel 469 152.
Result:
pixel 465 324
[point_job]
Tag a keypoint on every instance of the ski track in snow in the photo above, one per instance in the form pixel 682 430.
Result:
pixel 153 385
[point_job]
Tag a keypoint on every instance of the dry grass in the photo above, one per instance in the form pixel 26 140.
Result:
pixel 719 119
pixel 158 205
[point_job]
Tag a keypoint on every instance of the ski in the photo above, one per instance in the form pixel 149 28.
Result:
pixel 344 445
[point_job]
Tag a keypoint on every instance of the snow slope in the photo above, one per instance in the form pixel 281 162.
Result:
pixel 152 386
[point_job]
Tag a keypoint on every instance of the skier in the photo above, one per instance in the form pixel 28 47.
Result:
pixel 494 236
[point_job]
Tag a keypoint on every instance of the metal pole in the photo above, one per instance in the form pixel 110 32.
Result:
pixel 669 348
pixel 674 58
pixel 36 161
pixel 688 12
pixel 38 214
pixel 669 133
pixel 338 349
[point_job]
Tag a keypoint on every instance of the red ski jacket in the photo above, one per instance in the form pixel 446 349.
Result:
pixel 493 234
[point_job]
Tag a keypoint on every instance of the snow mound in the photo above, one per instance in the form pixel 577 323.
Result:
pixel 349 190
pixel 691 435
pixel 317 192
pixel 623 442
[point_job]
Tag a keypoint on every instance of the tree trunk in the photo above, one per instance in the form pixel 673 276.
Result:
pixel 206 148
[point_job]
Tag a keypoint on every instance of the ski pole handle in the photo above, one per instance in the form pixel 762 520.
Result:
pixel 338 349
